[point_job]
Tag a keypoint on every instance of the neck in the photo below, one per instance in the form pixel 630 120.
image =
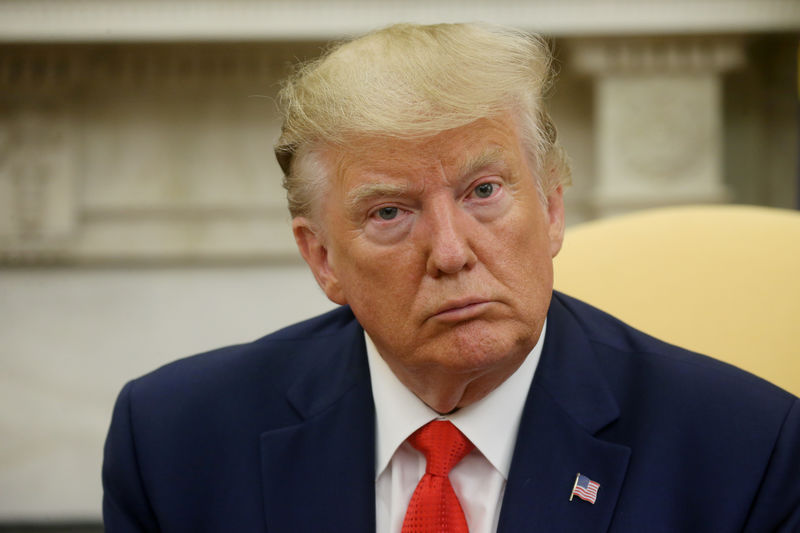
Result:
pixel 446 392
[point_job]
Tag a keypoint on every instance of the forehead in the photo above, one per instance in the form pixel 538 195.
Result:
pixel 480 142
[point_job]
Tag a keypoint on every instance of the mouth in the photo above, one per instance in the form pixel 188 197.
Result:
pixel 460 310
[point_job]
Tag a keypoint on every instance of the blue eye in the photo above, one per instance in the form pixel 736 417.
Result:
pixel 387 213
pixel 484 190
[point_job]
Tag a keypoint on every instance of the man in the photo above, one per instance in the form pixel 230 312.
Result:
pixel 425 186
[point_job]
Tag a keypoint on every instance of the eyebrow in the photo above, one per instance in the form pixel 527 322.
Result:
pixel 486 158
pixel 372 191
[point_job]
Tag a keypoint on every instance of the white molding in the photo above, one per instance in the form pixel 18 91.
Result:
pixel 659 134
pixel 701 54
pixel 157 20
pixel 153 154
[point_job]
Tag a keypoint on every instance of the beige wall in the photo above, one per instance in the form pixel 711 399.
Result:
pixel 72 337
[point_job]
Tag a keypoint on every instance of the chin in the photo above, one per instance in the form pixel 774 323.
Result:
pixel 476 346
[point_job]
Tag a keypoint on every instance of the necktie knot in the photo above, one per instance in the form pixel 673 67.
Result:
pixel 442 444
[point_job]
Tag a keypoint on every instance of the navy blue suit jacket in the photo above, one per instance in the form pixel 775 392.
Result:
pixel 278 436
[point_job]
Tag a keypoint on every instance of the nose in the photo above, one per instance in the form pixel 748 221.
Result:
pixel 449 234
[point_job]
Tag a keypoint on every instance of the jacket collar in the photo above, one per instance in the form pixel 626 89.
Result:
pixel 319 475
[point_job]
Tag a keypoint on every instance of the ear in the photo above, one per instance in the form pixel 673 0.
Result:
pixel 313 248
pixel 555 219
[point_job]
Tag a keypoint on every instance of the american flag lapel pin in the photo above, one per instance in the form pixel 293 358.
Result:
pixel 584 488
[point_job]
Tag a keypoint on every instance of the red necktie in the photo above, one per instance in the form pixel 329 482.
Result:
pixel 434 506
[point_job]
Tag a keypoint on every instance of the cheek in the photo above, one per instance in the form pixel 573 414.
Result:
pixel 379 278
pixel 523 253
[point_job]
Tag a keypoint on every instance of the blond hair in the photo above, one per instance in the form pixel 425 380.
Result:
pixel 410 81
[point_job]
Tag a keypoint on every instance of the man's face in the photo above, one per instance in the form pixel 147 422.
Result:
pixel 443 249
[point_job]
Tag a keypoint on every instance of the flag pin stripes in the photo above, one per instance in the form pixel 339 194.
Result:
pixel 585 489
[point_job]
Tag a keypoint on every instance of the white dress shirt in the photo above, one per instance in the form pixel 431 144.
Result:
pixel 479 480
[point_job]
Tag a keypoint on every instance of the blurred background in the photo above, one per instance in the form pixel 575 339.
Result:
pixel 142 217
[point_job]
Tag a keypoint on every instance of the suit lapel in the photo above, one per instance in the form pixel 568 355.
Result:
pixel 569 402
pixel 327 462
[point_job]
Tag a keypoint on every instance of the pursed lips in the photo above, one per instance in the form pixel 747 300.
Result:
pixel 461 309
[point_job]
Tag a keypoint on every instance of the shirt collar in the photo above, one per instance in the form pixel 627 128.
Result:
pixel 491 423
